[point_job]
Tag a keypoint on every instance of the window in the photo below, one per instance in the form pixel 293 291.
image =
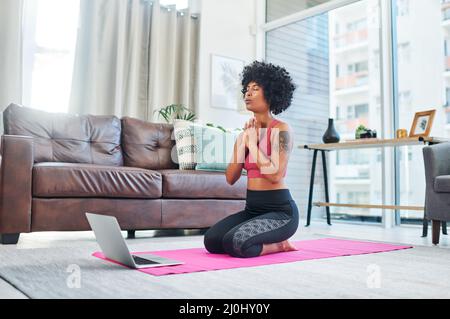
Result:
pixel 378 100
pixel 446 47
pixel 375 59
pixel 333 52
pixel 404 52
pixel 379 156
pixel 338 113
pixel 361 66
pixel 402 8
pixel 357 67
pixel 180 4
pixel 361 111
pixel 358 111
pixel 404 98
pixel 419 88
pixel 50 30
pixel 50 33
pixel 445 9
pixel 350 68
pixel 447 96
pixel 357 25
pixel 276 9
pixel 447 52
pixel 446 14
pixel 357 197
pixel 350 112
pixel 351 158
pixel 447 117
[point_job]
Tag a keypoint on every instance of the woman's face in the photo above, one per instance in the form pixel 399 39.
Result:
pixel 254 98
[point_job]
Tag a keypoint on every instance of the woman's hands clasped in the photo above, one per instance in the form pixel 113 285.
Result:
pixel 250 134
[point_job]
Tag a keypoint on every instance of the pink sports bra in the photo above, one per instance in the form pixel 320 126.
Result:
pixel 250 164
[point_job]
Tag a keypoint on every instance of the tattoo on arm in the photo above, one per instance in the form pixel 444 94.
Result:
pixel 285 141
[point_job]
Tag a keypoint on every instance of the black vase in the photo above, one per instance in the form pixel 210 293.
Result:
pixel 331 135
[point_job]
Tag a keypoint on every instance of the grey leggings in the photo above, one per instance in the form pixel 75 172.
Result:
pixel 269 217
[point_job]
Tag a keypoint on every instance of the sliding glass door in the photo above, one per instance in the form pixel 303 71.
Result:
pixel 334 58
pixel 345 72
pixel 422 82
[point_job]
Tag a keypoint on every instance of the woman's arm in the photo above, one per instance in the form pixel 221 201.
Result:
pixel 282 143
pixel 234 168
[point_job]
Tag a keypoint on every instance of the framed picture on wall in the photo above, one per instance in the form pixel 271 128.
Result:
pixel 423 121
pixel 225 83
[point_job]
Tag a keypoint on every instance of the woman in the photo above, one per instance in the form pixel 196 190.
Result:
pixel 271 215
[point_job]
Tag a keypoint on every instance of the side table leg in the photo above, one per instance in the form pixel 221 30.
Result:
pixel 325 177
pixel 424 227
pixel 311 188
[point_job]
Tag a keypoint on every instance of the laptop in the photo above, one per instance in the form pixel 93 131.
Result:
pixel 109 237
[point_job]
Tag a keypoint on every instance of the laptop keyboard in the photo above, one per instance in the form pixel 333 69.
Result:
pixel 143 261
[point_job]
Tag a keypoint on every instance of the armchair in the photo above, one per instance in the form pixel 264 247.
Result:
pixel 437 177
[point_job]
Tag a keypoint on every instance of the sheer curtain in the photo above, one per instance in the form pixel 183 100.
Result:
pixel 10 54
pixel 133 57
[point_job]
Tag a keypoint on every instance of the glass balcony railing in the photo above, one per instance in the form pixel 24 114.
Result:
pixel 446 11
pixel 352 80
pixel 351 38
pixel 447 116
pixel 348 126
pixel 447 63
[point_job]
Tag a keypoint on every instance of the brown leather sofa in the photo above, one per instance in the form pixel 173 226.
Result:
pixel 55 167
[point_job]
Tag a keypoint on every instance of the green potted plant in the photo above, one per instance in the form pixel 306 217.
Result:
pixel 175 111
pixel 360 130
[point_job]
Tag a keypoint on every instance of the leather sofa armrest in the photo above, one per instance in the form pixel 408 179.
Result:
pixel 15 183
pixel 437 162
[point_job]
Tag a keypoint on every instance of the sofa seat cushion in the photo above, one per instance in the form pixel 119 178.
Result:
pixel 200 184
pixel 442 184
pixel 87 180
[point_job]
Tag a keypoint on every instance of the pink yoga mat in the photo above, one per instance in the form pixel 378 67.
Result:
pixel 199 259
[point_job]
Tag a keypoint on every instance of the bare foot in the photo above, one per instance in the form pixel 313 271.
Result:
pixel 288 246
pixel 282 246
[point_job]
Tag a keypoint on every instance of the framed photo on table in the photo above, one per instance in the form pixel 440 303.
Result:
pixel 225 83
pixel 423 121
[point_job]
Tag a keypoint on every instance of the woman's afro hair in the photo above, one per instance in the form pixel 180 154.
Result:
pixel 276 82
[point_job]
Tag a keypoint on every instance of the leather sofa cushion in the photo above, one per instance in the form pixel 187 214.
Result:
pixel 442 184
pixel 86 180
pixel 148 145
pixel 60 137
pixel 201 184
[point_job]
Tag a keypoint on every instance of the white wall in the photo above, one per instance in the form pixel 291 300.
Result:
pixel 225 29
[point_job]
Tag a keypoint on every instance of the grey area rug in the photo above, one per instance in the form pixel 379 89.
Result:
pixel 71 272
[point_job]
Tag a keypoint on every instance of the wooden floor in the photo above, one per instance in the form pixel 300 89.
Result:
pixel 402 235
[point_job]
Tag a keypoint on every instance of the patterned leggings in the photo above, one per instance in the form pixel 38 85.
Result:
pixel 269 217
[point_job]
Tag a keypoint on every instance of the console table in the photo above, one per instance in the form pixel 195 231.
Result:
pixel 358 144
